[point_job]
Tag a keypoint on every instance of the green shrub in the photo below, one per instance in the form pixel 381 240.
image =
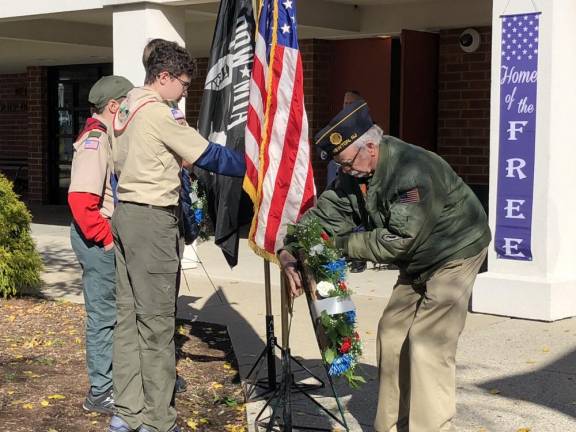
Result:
pixel 20 264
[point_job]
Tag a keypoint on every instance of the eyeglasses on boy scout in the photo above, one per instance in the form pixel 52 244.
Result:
pixel 185 84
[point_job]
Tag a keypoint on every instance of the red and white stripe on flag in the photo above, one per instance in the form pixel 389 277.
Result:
pixel 279 176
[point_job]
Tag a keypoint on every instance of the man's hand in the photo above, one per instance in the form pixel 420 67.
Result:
pixel 289 267
pixel 109 246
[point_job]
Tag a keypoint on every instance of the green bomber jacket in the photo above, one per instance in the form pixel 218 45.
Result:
pixel 417 214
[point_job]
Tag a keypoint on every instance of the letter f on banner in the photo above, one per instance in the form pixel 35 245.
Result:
pixel 515 128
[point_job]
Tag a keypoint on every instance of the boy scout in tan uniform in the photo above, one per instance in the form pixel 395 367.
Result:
pixel 91 201
pixel 150 148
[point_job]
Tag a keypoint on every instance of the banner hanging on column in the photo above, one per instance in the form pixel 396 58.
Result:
pixel 518 90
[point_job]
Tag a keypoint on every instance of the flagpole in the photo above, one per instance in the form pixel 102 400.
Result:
pixel 270 337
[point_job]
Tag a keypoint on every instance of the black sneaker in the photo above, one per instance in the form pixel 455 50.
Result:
pixel 357 266
pixel 103 403
pixel 181 384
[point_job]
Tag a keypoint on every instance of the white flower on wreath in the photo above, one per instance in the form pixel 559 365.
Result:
pixel 316 249
pixel 324 287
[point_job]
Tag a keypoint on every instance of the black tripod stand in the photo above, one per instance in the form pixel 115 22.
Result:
pixel 257 388
pixel 281 399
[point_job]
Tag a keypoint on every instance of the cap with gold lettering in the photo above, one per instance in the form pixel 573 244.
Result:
pixel 348 125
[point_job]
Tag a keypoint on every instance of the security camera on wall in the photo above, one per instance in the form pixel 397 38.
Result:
pixel 469 40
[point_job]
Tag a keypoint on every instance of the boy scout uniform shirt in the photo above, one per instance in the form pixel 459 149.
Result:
pixel 150 145
pixel 91 166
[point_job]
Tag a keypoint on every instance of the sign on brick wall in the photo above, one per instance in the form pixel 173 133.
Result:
pixel 518 89
pixel 12 107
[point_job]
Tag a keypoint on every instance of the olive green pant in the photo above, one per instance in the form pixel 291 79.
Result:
pixel 147 267
pixel 417 339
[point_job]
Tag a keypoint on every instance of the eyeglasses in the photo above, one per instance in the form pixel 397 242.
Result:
pixel 185 84
pixel 349 163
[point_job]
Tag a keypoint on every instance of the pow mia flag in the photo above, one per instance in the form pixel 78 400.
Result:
pixel 223 116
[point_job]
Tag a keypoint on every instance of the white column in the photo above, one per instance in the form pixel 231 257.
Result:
pixel 134 25
pixel 544 288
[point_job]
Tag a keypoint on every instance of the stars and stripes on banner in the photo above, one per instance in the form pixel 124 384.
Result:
pixel 279 177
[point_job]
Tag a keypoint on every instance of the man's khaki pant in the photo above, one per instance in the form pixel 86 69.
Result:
pixel 147 268
pixel 417 339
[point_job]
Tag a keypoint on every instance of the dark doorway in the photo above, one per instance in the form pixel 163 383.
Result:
pixel 418 88
pixel 68 109
pixel 364 66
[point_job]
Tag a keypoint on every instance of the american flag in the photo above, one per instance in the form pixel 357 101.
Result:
pixel 279 176
pixel 409 197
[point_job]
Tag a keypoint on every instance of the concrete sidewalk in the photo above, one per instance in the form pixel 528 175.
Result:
pixel 512 374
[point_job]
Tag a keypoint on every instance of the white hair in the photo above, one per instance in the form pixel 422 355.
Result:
pixel 373 135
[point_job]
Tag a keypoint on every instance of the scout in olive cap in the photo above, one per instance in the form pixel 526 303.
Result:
pixel 91 200
pixel 108 88
pixel 348 125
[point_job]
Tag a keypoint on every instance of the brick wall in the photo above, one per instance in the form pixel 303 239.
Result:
pixel 195 92
pixel 37 134
pixel 316 61
pixel 464 106
pixel 13 132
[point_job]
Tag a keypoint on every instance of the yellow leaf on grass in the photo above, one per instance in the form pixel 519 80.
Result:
pixel 181 330
pixel 28 406
pixel 10 392
pixel 56 396
pixel 44 403
pixel 203 421
pixel 11 318
pixel 494 391
pixel 227 365
pixel 216 385
pixel 32 343
pixel 545 349
pixel 191 423
pixel 78 341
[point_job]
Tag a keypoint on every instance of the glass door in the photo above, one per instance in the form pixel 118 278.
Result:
pixel 68 109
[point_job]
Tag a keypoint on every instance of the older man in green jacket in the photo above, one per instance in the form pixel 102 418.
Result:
pixel 419 215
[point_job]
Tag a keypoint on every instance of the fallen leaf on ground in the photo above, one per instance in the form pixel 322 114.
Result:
pixel 545 349
pixel 56 396
pixel 216 385
pixel 192 424
pixel 44 403
pixel 523 430
pixel 28 406
pixel 227 365
pixel 494 391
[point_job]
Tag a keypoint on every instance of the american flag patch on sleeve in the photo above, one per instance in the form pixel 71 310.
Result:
pixel 91 143
pixel 409 197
